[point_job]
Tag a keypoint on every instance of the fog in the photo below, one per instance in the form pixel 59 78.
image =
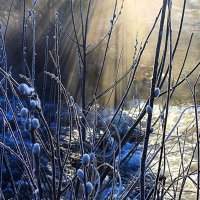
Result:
pixel 135 21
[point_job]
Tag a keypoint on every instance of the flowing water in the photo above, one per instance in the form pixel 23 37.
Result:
pixel 180 153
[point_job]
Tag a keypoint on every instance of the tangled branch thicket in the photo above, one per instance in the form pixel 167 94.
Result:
pixel 58 149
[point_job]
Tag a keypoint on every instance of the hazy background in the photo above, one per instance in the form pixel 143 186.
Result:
pixel 136 20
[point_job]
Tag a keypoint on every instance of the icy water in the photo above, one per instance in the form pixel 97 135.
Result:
pixel 181 143
pixel 179 148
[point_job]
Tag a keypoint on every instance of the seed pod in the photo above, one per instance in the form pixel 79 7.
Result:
pixel 151 130
pixel 161 116
pixel 92 156
pixel 149 109
pixel 85 159
pixel 35 123
pixel 24 112
pixel 80 174
pixel 27 124
pixel 157 92
pixel 36 149
pixel 89 187
pixel 33 103
pixel 24 89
